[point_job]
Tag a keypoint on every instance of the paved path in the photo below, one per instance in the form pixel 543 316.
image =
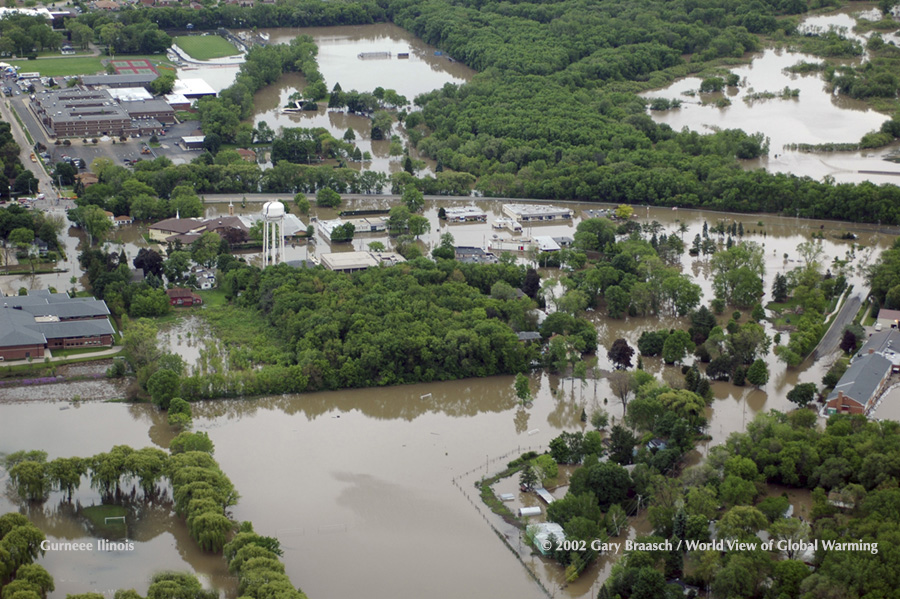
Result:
pixel 38 361
pixel 832 337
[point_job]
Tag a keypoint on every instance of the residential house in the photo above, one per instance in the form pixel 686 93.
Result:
pixel 888 318
pixel 180 296
pixel 247 155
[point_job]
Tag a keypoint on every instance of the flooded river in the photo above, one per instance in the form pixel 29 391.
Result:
pixel 816 116
pixel 380 480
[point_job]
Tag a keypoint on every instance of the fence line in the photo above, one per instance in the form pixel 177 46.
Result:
pixel 517 452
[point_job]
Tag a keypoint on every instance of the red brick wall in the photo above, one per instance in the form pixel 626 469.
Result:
pixel 21 352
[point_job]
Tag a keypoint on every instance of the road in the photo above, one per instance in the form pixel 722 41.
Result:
pixel 45 184
pixel 832 337
pixel 224 198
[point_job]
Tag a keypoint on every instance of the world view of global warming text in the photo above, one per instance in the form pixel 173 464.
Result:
pixel 718 545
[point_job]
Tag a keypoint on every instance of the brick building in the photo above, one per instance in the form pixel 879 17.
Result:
pixel 89 113
pixel 34 324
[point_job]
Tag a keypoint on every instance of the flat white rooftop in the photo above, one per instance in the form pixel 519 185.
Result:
pixel 536 211
pixel 130 94
pixel 193 87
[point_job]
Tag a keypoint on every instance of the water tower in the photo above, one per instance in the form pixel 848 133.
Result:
pixel 273 233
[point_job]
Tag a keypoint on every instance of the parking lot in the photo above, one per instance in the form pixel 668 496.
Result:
pixel 118 152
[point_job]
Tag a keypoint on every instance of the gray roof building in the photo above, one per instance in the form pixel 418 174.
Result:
pixel 860 385
pixel 15 329
pixel 118 80
pixel 40 320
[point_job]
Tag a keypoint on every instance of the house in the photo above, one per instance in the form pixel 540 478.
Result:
pixel 110 216
pixel 172 226
pixel 247 155
pixel 180 296
pixel 33 325
pixel 206 278
pixel 528 336
pixel 41 247
pixel 106 5
pixel 888 318
pixel 87 179
pixel 122 220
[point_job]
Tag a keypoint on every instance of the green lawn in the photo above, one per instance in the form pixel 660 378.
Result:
pixel 59 67
pixel 213 297
pixel 205 47
pixel 97 515
pixel 59 353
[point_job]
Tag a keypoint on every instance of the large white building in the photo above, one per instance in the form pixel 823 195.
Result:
pixel 530 213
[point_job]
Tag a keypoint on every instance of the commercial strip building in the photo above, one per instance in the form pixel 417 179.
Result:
pixel 356 261
pixel 33 325
pixel 465 214
pixel 371 224
pixel 89 113
pixel 530 213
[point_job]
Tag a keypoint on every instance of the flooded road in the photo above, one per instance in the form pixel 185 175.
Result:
pixel 816 116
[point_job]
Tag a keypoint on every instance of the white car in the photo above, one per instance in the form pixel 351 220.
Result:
pixel 41 196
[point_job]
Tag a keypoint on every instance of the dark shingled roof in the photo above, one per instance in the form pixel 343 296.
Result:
pixel 863 378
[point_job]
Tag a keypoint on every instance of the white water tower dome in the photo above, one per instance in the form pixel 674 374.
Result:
pixel 273 210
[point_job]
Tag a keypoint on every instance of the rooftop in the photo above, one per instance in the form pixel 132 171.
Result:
pixel 536 209
pixel 177 225
pixel 193 87
pixel 863 378
pixel 130 94
pixel 32 318
pixel 142 79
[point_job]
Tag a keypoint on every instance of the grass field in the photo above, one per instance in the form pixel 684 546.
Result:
pixel 97 514
pixel 205 47
pixel 59 67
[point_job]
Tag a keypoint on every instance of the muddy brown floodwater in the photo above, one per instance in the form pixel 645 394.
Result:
pixel 423 70
pixel 364 479
pixel 814 117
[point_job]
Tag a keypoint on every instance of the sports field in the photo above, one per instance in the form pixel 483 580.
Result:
pixel 205 47
pixel 59 67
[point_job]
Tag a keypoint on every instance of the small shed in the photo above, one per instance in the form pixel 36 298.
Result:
pixel 545 495
pixel 529 511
